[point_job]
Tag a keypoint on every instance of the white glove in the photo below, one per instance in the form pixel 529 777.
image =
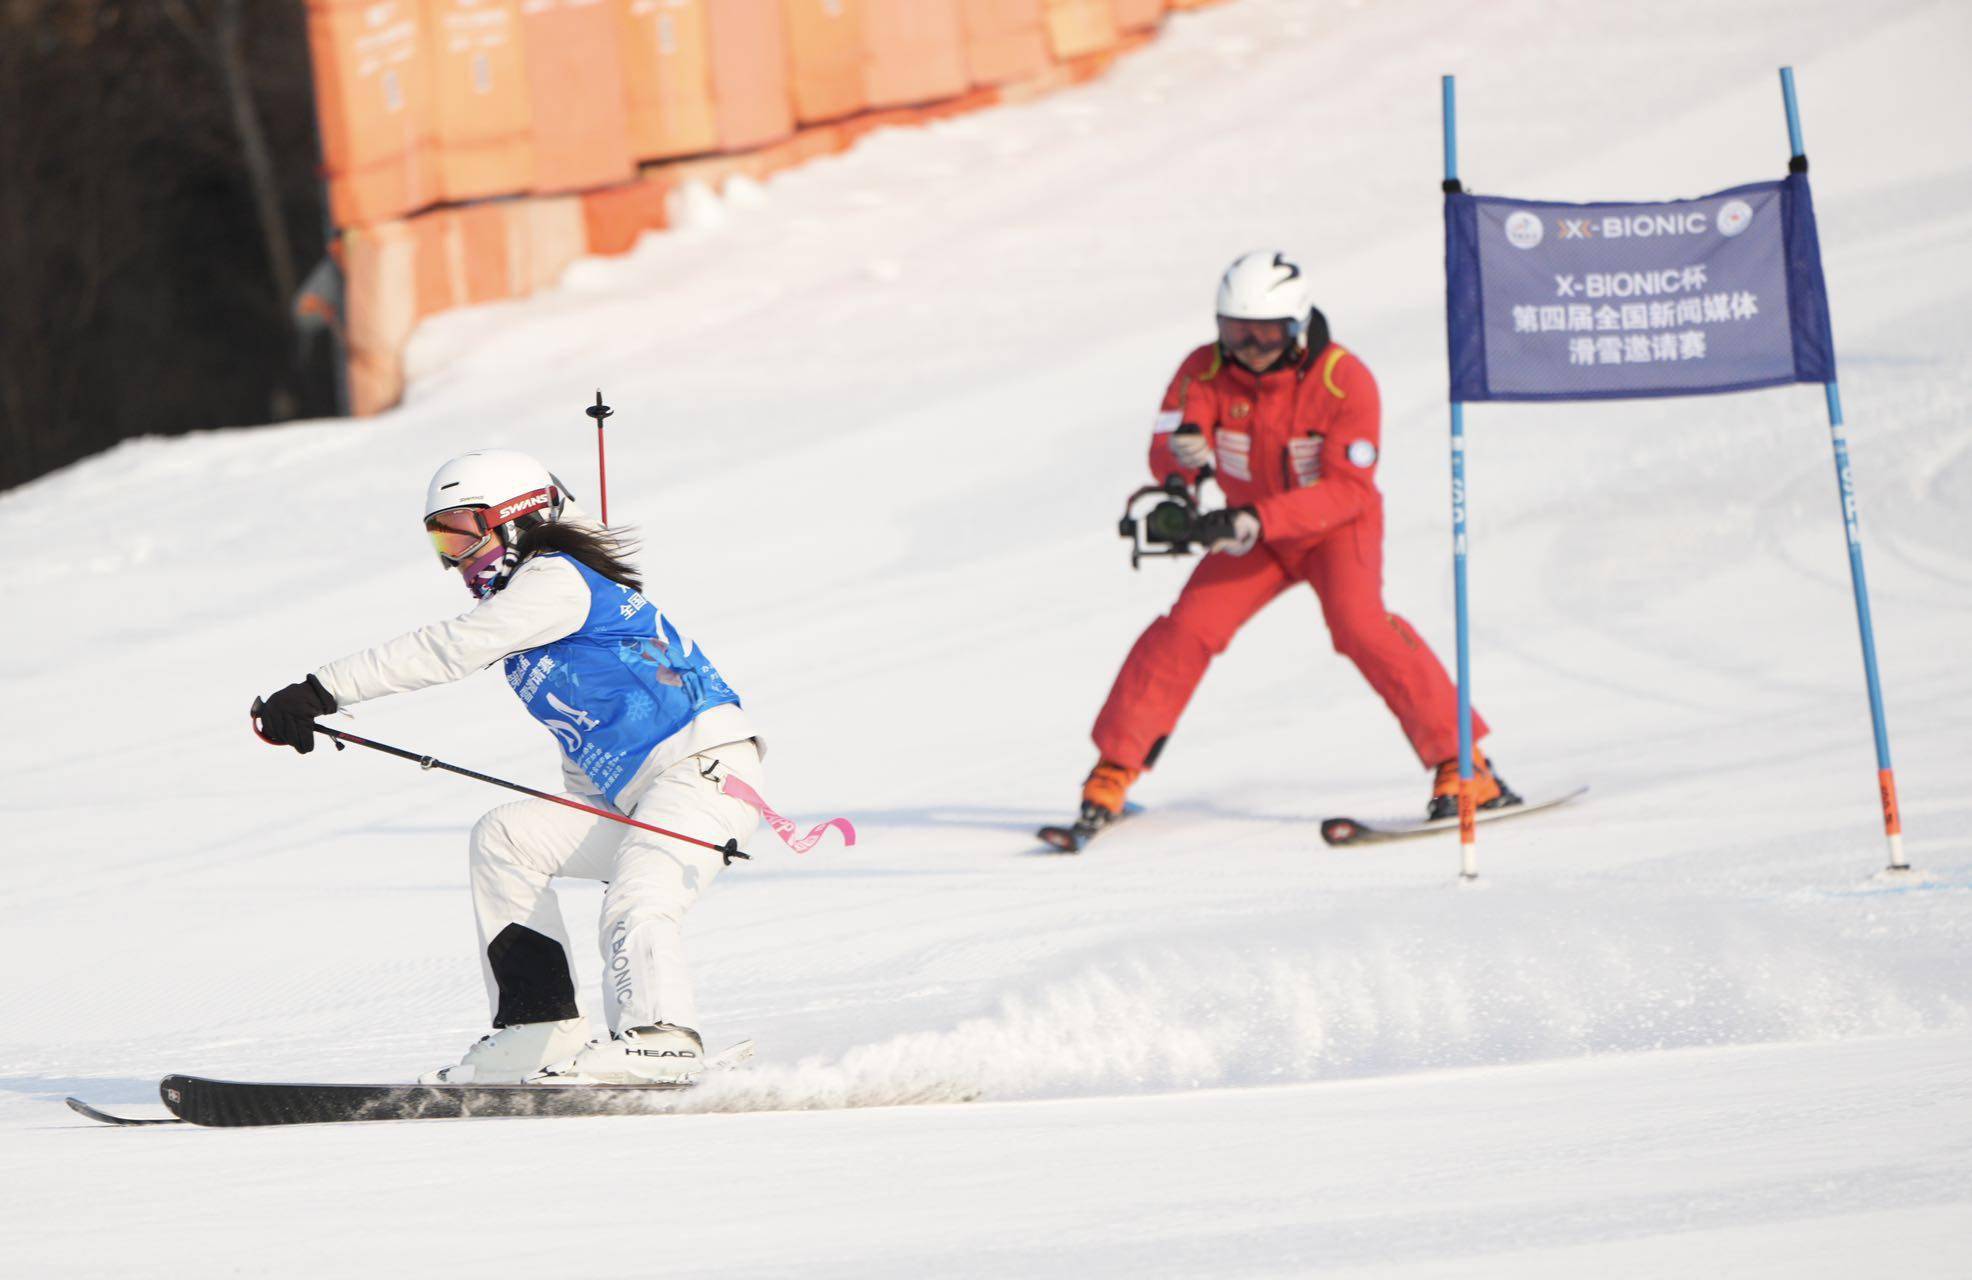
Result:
pixel 1190 447
pixel 1235 531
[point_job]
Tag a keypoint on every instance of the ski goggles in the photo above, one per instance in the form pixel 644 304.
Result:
pixel 457 533
pixel 1235 333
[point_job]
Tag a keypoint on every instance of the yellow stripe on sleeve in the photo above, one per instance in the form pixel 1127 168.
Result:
pixel 1328 369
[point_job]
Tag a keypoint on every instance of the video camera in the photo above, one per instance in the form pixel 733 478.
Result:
pixel 1171 526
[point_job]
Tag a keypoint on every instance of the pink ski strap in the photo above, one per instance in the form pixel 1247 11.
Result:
pixel 784 827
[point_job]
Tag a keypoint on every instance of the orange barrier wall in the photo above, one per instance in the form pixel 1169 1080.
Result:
pixel 456 102
pixel 1079 27
pixel 575 82
pixel 373 101
pixel 667 66
pixel 749 73
pixel 614 218
pixel 482 251
pixel 481 121
pixel 545 235
pixel 380 266
pixel 825 45
pixel 492 250
pixel 1005 40
pixel 433 289
pixel 914 51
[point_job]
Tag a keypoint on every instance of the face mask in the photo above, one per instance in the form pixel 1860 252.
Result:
pixel 485 573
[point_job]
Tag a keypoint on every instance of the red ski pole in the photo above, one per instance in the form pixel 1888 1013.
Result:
pixel 729 850
pixel 599 411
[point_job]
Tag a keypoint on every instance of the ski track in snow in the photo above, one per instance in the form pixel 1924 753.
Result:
pixel 875 419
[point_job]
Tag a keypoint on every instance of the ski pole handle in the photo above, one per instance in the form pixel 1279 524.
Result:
pixel 599 411
pixel 253 718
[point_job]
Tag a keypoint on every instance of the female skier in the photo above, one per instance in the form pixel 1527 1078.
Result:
pixel 646 727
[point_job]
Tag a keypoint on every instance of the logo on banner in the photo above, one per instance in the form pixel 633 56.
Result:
pixel 1734 217
pixel 1643 226
pixel 1523 230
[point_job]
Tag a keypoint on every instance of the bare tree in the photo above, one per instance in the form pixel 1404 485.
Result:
pixel 68 232
pixel 216 29
pixel 157 195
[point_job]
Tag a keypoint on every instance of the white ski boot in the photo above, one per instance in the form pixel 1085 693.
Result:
pixel 660 1054
pixel 512 1055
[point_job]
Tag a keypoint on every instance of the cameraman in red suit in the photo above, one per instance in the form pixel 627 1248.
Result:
pixel 1289 422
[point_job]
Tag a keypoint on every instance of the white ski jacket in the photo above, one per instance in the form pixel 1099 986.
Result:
pixel 546 600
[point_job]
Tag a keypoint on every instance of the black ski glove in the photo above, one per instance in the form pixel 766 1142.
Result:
pixel 1235 530
pixel 286 717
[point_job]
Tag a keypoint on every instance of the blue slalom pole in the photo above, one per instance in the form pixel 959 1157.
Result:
pixel 1467 824
pixel 1845 484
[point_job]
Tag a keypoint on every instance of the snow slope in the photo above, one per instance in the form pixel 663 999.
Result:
pixel 875 421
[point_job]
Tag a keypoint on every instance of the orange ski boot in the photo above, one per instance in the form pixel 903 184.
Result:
pixel 1107 784
pixel 1102 803
pixel 1489 790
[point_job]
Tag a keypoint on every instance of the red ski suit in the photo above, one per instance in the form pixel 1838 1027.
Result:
pixel 1299 445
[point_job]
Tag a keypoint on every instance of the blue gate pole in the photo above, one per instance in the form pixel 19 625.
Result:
pixel 1886 781
pixel 1467 826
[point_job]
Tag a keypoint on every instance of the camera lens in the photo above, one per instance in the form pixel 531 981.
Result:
pixel 1168 522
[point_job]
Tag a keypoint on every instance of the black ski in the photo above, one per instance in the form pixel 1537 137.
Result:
pixel 82 1108
pixel 233 1103
pixel 1076 836
pixel 1355 831
pixel 241 1103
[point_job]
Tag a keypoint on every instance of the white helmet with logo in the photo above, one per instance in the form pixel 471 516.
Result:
pixel 477 506
pixel 485 477
pixel 1267 285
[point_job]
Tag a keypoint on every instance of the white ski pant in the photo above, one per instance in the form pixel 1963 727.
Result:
pixel 651 880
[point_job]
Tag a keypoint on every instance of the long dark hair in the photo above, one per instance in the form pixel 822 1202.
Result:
pixel 604 550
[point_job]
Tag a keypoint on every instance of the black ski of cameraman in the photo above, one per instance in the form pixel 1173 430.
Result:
pixel 1093 822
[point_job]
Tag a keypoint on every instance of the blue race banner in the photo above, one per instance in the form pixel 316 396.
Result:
pixel 1550 301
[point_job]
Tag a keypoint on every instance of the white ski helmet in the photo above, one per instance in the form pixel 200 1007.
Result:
pixel 488 476
pixel 1267 285
pixel 477 505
